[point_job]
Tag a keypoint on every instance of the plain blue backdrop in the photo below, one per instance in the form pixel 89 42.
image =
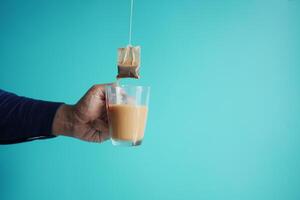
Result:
pixel 224 119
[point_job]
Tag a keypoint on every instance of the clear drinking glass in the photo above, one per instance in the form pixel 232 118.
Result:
pixel 127 109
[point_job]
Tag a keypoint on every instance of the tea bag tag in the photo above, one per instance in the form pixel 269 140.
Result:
pixel 129 62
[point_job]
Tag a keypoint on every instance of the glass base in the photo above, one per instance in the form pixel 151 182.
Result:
pixel 125 143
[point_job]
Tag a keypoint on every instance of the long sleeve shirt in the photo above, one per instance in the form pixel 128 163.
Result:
pixel 25 119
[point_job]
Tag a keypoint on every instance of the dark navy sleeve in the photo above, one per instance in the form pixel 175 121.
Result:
pixel 25 119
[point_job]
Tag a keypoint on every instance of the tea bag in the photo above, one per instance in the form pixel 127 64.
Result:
pixel 129 62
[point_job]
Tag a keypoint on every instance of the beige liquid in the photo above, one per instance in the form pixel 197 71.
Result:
pixel 127 122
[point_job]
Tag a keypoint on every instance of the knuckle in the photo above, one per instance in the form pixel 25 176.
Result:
pixel 94 87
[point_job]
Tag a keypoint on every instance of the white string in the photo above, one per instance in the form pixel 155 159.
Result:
pixel 130 22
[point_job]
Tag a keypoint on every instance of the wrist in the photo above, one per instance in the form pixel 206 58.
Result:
pixel 63 122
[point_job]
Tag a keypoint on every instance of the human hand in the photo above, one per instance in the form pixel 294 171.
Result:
pixel 86 120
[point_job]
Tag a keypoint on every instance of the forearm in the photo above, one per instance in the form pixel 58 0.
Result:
pixel 24 119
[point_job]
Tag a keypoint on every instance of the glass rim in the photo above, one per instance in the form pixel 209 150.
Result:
pixel 127 85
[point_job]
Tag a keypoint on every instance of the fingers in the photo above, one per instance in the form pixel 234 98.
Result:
pixel 99 89
pixel 99 136
pixel 99 131
pixel 100 125
pixel 92 104
pixel 103 116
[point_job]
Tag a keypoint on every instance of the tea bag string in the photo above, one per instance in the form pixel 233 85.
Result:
pixel 130 22
pixel 128 52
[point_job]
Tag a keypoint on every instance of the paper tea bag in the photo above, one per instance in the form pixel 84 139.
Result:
pixel 129 62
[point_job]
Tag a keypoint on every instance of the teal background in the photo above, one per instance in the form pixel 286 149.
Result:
pixel 224 115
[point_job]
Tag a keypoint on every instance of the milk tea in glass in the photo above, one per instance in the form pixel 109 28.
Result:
pixel 127 109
